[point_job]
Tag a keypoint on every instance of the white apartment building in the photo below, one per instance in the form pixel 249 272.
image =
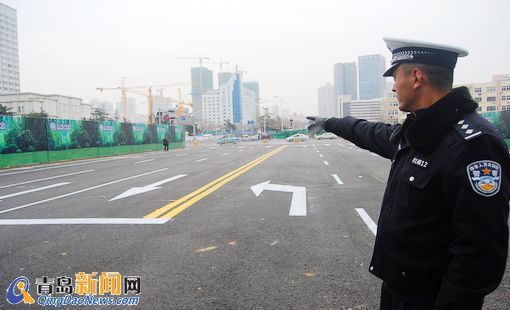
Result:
pixel 369 110
pixel 9 66
pixel 56 106
pixel 390 113
pixel 492 96
pixel 218 105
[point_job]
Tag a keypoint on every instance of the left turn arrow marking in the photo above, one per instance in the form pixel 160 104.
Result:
pixel 148 188
pixel 298 202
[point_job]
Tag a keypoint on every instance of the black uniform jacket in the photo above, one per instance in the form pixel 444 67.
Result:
pixel 442 236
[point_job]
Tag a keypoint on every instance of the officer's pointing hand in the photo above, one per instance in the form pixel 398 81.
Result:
pixel 316 124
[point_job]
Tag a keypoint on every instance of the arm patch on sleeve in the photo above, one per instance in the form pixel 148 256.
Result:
pixel 485 177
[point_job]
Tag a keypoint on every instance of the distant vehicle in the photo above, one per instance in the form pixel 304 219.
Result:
pixel 297 137
pixel 249 138
pixel 245 138
pixel 327 135
pixel 228 139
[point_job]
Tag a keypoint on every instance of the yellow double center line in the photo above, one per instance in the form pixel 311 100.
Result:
pixel 172 209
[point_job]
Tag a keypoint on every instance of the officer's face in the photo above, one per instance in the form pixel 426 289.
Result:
pixel 403 87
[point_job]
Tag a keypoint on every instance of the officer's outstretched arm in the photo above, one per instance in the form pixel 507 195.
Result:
pixel 476 186
pixel 372 136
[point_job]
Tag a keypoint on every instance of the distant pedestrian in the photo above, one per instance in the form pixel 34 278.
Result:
pixel 165 144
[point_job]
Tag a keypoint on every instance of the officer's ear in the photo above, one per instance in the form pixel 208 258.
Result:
pixel 418 77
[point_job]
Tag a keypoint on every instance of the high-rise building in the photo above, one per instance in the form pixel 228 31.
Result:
pixel 201 82
pixel 223 77
pixel 254 86
pixel 371 81
pixel 345 79
pixel 327 100
pixel 9 77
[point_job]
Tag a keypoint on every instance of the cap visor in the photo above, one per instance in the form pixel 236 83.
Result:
pixel 390 71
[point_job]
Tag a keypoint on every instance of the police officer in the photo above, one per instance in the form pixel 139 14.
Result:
pixel 442 236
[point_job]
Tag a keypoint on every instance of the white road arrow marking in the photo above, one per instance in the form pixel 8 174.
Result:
pixel 33 190
pixel 298 203
pixel 80 191
pixel 148 188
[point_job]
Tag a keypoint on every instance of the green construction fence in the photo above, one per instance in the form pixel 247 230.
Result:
pixel 28 141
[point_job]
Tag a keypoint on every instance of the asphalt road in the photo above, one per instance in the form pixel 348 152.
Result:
pixel 189 223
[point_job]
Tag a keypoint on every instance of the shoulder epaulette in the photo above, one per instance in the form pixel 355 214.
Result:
pixel 467 129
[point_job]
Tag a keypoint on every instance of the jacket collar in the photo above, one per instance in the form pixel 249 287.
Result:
pixel 425 130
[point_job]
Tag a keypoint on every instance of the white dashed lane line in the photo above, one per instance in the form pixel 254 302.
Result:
pixel 367 219
pixel 337 179
pixel 33 190
pixel 49 178
pixel 144 161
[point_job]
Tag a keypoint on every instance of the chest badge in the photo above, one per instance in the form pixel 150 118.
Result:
pixel 420 162
pixel 485 177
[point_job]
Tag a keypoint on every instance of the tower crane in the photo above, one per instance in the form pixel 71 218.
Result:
pixel 220 62
pixel 123 98
pixel 200 59
pixel 136 90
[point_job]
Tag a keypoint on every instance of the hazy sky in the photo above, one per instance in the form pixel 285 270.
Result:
pixel 71 47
